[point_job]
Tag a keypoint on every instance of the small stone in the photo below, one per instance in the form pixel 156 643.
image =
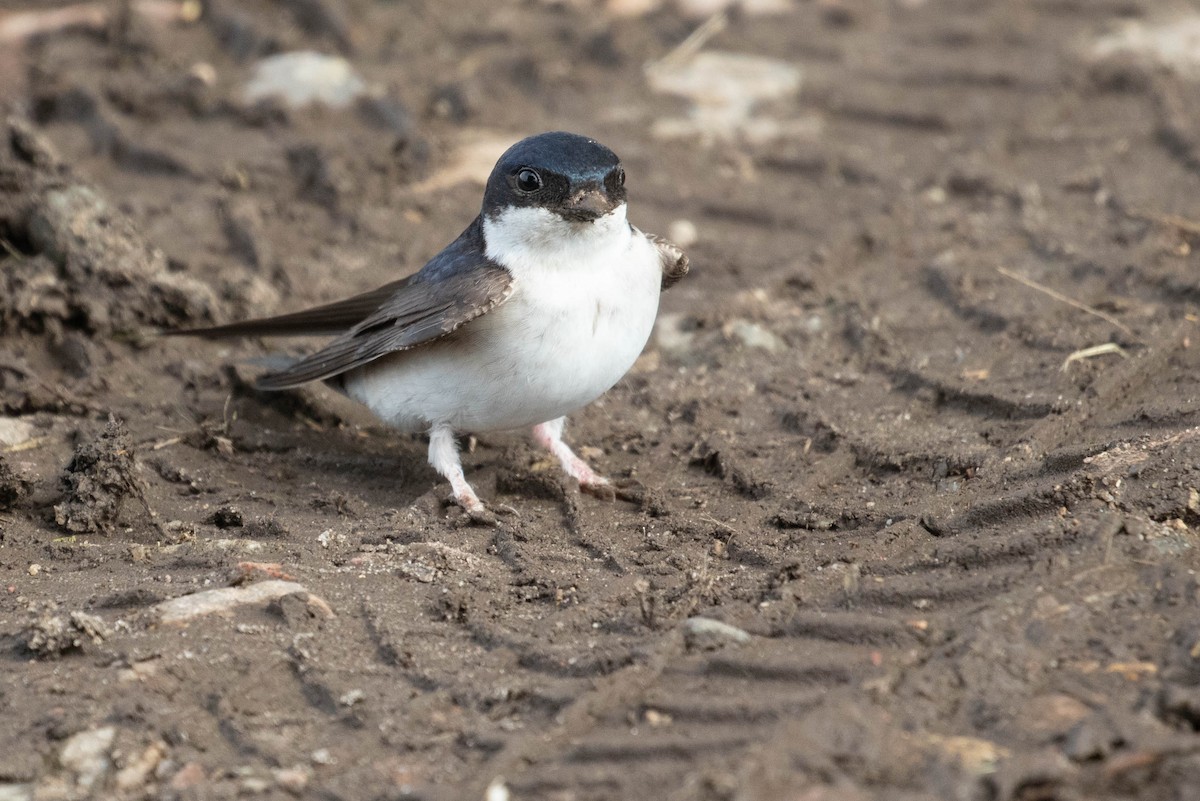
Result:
pixel 188 776
pixel 294 779
pixel 254 785
pixel 51 634
pixel 1090 739
pixel 976 756
pixel 138 772
pixel 226 599
pixel 706 634
pixel 725 89
pixel 328 537
pixel 1173 43
pixel 86 755
pixel 304 77
pixel 16 791
pixel 497 790
pixel 1053 714
pixel 753 335
pixel 656 719
pixel 203 73
pixel 683 233
pixel 675 334
pixel 34 569
pixel 14 432
pixel 299 609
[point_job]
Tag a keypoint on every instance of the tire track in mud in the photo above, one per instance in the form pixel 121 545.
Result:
pixel 684 717
pixel 676 722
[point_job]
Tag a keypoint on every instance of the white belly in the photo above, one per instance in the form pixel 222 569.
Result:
pixel 569 331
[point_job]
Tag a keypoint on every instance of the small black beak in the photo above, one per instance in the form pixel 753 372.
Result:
pixel 586 205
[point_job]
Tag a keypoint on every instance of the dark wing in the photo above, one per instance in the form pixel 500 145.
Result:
pixel 675 264
pixel 421 311
pixel 332 318
pixel 456 286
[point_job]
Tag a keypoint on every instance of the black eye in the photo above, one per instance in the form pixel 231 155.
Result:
pixel 528 180
pixel 619 176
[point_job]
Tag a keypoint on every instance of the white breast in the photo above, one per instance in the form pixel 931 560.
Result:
pixel 583 305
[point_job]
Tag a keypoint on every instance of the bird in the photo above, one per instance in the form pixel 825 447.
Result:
pixel 535 310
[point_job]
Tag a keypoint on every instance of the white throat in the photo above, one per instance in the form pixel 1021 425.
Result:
pixel 534 239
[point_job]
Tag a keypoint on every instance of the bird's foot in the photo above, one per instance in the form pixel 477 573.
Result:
pixel 627 489
pixel 549 436
pixel 476 512
pixel 599 487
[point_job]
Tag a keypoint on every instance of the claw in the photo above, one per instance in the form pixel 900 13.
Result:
pixel 630 490
pixel 482 516
pixel 477 513
pixel 600 488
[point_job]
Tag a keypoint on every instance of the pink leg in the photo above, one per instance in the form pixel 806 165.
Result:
pixel 443 455
pixel 549 436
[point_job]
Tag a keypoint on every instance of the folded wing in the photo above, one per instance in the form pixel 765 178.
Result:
pixel 419 312
pixel 455 287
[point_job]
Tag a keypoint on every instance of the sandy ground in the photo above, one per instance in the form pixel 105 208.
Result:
pixel 893 544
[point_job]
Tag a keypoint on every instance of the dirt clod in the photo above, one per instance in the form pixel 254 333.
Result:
pixel 53 633
pixel 98 481
pixel 12 486
pixel 227 517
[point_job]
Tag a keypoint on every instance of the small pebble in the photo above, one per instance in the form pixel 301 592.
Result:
pixel 16 792
pixel 497 790
pixel 1173 43
pixel 305 77
pixel 683 233
pixel 753 335
pixel 294 779
pixel 14 432
pixel 187 607
pixel 725 89
pixel 86 754
pixel 189 775
pixel 704 634
pixel 138 772
pixel 674 333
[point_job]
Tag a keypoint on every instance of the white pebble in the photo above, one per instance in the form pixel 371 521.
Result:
pixel 753 335
pixel 683 233
pixel 1174 43
pixel 706 633
pixel 183 609
pixel 305 77
pixel 14 432
pixel 86 754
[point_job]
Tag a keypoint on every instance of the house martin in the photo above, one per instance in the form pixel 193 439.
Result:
pixel 540 306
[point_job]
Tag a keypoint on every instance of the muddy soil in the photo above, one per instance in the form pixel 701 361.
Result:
pixel 894 543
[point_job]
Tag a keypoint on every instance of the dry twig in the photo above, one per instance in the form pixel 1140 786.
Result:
pixel 1060 297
